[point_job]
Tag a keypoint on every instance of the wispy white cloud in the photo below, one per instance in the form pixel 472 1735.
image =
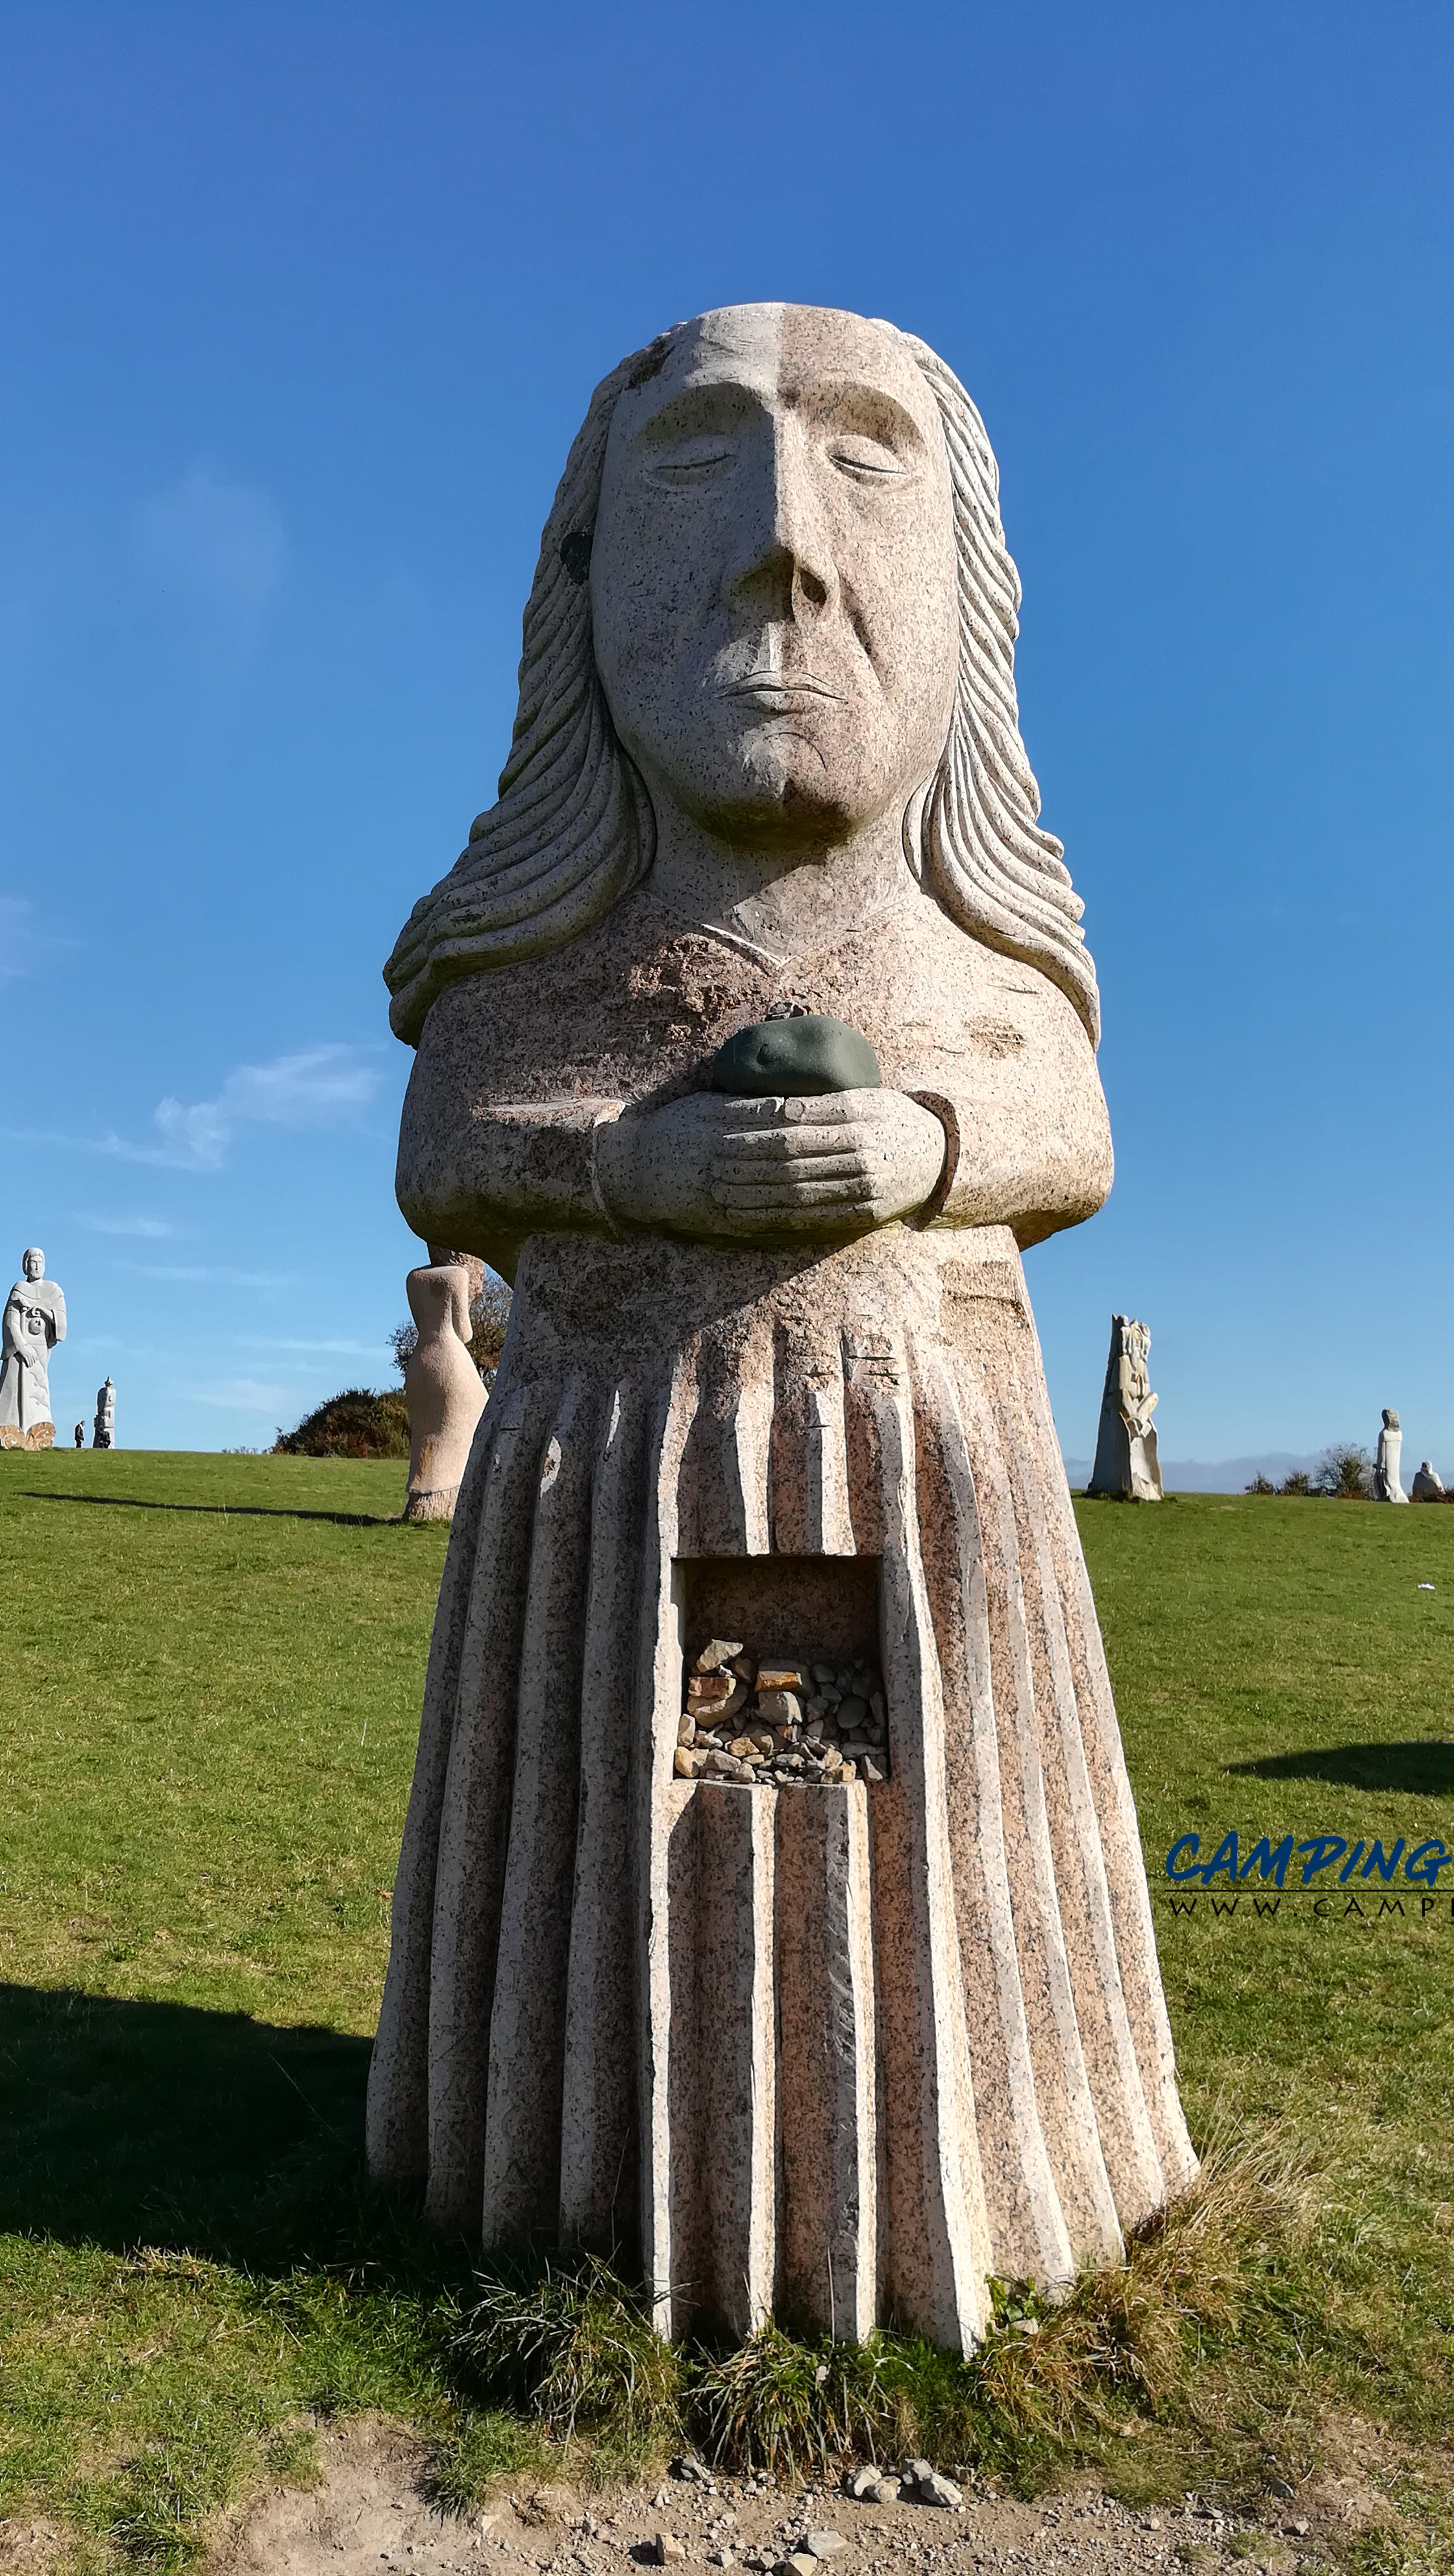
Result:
pixel 335 1350
pixel 319 1087
pixel 25 944
pixel 142 1229
pixel 241 1395
pixel 197 1276
pixel 220 542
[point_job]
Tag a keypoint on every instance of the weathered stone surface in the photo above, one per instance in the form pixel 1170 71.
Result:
pixel 769 1354
pixel 34 1320
pixel 103 1429
pixel 1427 1486
pixel 1126 1463
pixel 1386 1485
pixel 716 1655
pixel 442 1388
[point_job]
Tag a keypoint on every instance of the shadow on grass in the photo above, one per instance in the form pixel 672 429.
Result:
pixel 1424 1770
pixel 223 1511
pixel 127 2124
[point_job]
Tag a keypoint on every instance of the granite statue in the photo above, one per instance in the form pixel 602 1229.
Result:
pixel 34 1321
pixel 1126 1463
pixel 755 1041
pixel 1386 1486
pixel 1427 1486
pixel 442 1386
pixel 103 1429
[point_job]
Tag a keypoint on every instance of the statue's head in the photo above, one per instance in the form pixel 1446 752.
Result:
pixel 34 1263
pixel 774 593
pixel 772 576
pixel 1390 1418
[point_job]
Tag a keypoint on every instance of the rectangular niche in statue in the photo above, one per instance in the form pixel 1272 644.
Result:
pixel 773 2086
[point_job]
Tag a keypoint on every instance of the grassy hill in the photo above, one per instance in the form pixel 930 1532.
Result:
pixel 208 1704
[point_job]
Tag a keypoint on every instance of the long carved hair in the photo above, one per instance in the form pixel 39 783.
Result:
pixel 573 828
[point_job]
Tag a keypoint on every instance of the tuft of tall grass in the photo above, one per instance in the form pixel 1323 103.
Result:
pixel 1144 2338
pixel 578 2348
pixel 790 2407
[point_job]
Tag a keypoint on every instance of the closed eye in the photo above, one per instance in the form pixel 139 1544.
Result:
pixel 691 461
pixel 867 460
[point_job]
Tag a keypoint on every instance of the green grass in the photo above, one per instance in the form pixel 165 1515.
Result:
pixel 210 1694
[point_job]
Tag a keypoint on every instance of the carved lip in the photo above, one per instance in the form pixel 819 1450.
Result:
pixel 780 689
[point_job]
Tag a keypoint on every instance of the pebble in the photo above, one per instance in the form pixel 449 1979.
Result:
pixel 936 2490
pixel 669 2552
pixel 825 2544
pixel 709 1690
pixel 775 1733
pixel 800 2564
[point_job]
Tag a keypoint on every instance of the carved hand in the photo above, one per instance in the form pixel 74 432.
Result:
pixel 761 1169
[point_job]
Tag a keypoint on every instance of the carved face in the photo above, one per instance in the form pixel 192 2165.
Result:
pixel 773 575
pixel 35 1265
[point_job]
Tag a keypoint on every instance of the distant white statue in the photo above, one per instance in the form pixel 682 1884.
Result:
pixel 1427 1487
pixel 34 1321
pixel 103 1430
pixel 1386 1486
pixel 1126 1462
pixel 442 1387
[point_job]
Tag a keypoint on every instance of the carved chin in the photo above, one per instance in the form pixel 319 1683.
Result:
pixel 788 777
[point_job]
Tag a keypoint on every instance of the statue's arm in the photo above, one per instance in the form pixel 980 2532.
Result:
pixel 483 1173
pixel 1028 1139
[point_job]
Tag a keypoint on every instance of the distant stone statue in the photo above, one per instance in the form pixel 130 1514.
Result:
pixel 1126 1463
pixel 442 1386
pixel 1386 1486
pixel 34 1321
pixel 103 1434
pixel 80 1435
pixel 861 2031
pixel 1427 1487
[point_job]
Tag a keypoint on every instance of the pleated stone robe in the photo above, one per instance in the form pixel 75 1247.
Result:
pixel 834 2052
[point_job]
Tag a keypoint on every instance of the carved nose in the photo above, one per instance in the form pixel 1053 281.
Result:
pixel 786 564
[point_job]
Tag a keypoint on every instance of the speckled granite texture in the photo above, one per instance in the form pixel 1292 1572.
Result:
pixel 844 2049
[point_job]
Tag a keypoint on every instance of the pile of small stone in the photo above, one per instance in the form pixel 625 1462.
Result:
pixel 916 2482
pixel 780 1722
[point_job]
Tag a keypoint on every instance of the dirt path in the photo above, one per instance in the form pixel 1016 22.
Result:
pixel 371 2513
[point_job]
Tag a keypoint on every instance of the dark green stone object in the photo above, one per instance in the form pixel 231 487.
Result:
pixel 807 1053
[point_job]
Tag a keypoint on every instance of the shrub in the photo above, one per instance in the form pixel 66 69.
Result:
pixel 1299 1482
pixel 357 1424
pixel 1345 1472
pixel 1260 1485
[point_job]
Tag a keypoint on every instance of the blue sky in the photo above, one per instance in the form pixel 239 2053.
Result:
pixel 301 307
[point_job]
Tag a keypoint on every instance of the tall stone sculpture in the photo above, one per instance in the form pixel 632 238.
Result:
pixel 1428 1484
pixel 1126 1463
pixel 103 1428
pixel 34 1321
pixel 755 1040
pixel 442 1386
pixel 1386 1486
